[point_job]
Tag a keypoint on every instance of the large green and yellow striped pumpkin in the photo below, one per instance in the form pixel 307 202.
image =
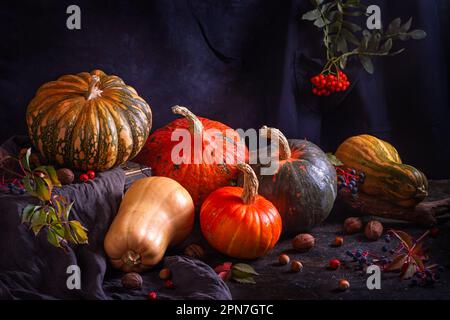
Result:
pixel 88 121
pixel 386 176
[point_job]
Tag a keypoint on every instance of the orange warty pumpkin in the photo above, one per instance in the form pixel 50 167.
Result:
pixel 238 222
pixel 88 121
pixel 201 177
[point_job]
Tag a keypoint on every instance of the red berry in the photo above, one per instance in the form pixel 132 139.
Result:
pixel 91 174
pixel 169 284
pixel 315 91
pixel 152 295
pixel 84 177
pixel 334 264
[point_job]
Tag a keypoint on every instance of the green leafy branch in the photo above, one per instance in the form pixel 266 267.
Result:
pixel 52 212
pixel 343 38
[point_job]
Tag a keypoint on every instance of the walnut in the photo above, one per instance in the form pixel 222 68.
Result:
pixel 303 242
pixel 65 176
pixel 132 280
pixel 352 225
pixel 374 230
pixel 194 251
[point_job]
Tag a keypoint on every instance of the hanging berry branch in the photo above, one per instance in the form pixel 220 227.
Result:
pixel 343 38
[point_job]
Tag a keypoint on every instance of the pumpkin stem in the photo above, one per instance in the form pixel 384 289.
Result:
pixel 131 258
pixel 273 133
pixel 94 91
pixel 251 183
pixel 195 125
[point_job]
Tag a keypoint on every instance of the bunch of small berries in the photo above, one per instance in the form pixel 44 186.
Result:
pixel 89 175
pixel 349 179
pixel 326 84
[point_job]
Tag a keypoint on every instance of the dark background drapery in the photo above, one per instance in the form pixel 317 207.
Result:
pixel 245 63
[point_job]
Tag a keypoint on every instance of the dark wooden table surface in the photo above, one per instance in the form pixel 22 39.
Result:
pixel 316 282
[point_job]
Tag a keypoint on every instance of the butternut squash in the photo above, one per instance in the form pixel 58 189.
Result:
pixel 155 213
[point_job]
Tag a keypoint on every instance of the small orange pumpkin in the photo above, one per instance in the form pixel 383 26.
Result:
pixel 238 222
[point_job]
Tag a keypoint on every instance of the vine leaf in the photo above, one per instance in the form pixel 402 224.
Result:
pixel 418 34
pixel 311 15
pixel 366 63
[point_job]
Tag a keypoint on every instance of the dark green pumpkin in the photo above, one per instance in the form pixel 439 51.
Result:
pixel 303 188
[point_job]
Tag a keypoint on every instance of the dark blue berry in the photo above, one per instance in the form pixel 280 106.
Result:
pixel 391 251
pixel 341 178
pixel 362 175
pixel 428 272
pixel 353 172
pixel 349 253
pixel 385 249
pixel 387 238
pixel 441 269
pixel 22 191
pixel 358 253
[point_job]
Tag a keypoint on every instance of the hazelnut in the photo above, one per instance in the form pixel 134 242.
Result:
pixel 165 274
pixel 283 259
pixel 303 242
pixel 194 251
pixel 352 225
pixel 296 266
pixel 132 280
pixel 374 230
pixel 65 176
pixel 343 285
pixel 338 241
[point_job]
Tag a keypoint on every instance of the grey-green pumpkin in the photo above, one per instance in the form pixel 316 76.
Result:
pixel 303 184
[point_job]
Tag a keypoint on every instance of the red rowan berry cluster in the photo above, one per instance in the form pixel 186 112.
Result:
pixel 326 84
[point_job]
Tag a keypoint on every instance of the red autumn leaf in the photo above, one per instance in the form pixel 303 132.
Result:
pixel 405 238
pixel 225 267
pixel 397 263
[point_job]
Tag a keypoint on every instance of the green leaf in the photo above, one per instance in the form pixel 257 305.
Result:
pixel 28 187
pixel 343 62
pixel 387 46
pixel 26 160
pixel 334 160
pixel 405 28
pixel 51 172
pixel 39 220
pixel 67 210
pixel 53 239
pixel 397 263
pixel 311 15
pixel 247 280
pixel 367 63
pixel 245 268
pixel 418 34
pixel 28 212
pixel 320 22
pixel 394 26
pixel 80 232
pixel 42 190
